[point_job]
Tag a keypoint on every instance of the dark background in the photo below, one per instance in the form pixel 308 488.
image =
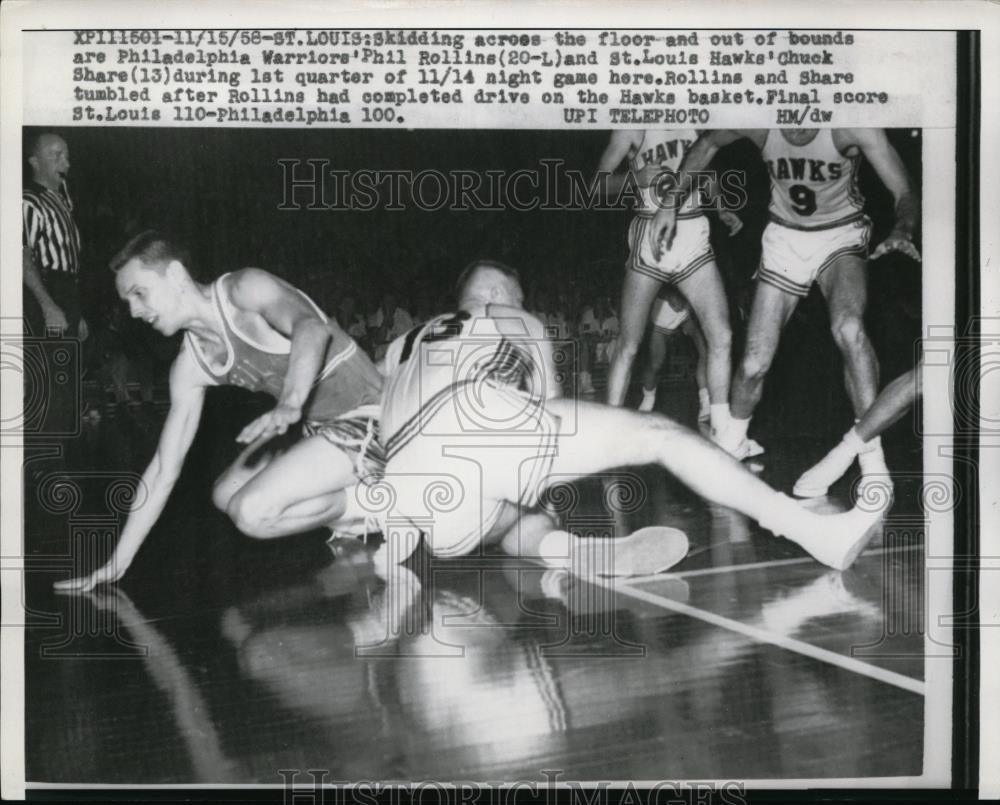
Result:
pixel 219 191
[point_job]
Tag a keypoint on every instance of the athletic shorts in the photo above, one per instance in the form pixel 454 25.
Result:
pixel 356 433
pixel 670 311
pixel 689 252
pixel 792 259
pixel 469 451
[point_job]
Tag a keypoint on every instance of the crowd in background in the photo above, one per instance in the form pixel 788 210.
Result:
pixel 129 361
pixel 380 272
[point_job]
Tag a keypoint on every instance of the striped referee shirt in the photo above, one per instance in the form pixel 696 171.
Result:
pixel 49 230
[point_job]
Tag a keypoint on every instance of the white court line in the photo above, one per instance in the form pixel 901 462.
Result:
pixel 801 560
pixel 775 639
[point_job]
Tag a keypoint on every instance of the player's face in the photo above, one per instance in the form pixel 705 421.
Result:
pixel 50 162
pixel 150 296
pixel 800 136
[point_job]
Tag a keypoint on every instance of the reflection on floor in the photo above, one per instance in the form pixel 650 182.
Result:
pixel 222 659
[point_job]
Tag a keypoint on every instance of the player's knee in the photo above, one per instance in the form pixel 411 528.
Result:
pixel 250 513
pixel 719 338
pixel 848 332
pixel 221 495
pixel 755 365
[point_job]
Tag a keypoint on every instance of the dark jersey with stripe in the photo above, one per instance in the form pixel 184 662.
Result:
pixel 347 381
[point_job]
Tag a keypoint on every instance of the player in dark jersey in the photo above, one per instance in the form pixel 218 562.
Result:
pixel 475 430
pixel 818 232
pixel 252 330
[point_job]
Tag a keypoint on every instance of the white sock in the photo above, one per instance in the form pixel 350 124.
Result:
pixel 852 441
pixel 718 416
pixel 871 445
pixel 705 402
pixel 871 458
pixel 554 549
pixel 737 430
pixel 783 515
pixel 648 399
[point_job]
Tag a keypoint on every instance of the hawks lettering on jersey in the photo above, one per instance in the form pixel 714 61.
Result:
pixel 813 185
pixel 815 170
pixel 669 152
pixel 655 165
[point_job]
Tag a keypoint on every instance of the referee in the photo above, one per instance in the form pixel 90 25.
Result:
pixel 51 242
pixel 51 267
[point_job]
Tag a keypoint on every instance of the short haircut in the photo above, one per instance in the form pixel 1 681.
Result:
pixel 150 247
pixel 33 139
pixel 470 270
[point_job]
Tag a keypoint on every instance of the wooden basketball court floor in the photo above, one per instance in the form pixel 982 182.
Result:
pixel 220 659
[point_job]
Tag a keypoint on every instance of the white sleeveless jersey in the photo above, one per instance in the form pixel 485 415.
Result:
pixel 434 361
pixel 655 165
pixel 813 186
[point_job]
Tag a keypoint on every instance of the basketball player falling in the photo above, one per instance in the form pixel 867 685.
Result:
pixel 252 330
pixel 475 430
pixel 818 232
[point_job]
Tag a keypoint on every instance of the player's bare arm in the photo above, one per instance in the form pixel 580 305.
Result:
pixel 661 233
pixel 608 180
pixel 877 149
pixel 187 395
pixel 280 307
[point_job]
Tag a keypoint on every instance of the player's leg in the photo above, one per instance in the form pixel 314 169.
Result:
pixel 307 486
pixel 769 314
pixel 893 402
pixel 655 356
pixel 463 494
pixel 890 405
pixel 707 297
pixel 693 331
pixel 845 286
pixel 638 292
pixel 251 461
pixel 599 438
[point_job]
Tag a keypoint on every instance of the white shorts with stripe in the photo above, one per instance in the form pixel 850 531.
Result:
pixel 470 450
pixel 792 259
pixel 670 311
pixel 355 433
pixel 690 250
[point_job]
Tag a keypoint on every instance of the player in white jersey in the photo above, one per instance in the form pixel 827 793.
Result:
pixel 818 232
pixel 653 158
pixel 475 430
